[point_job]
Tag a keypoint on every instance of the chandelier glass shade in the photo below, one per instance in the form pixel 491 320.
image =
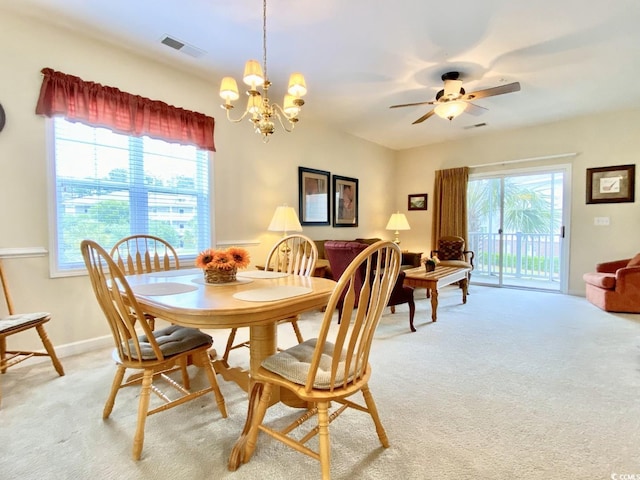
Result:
pixel 260 110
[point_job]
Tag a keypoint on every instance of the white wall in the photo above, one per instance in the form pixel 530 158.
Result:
pixel 603 140
pixel 249 180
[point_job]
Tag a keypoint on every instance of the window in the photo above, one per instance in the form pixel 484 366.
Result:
pixel 108 186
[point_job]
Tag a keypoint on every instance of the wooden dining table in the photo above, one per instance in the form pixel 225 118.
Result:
pixel 257 300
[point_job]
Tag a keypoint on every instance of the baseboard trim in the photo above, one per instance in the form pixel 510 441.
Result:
pixel 71 349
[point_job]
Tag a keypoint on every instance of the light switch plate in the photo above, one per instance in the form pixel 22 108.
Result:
pixel 601 221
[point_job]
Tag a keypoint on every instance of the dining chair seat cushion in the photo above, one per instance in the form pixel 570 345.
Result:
pixel 21 319
pixel 172 340
pixel 294 363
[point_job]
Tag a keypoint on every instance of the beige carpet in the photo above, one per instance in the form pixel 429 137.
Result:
pixel 512 385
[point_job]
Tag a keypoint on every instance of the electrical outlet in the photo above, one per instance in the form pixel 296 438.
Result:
pixel 601 221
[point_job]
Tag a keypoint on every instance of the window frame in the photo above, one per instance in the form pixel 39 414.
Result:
pixel 55 268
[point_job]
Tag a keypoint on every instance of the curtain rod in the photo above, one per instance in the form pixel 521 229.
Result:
pixel 531 159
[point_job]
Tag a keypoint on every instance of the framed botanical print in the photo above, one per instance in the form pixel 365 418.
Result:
pixel 313 196
pixel 611 184
pixel 345 204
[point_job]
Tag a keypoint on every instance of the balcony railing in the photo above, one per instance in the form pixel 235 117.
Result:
pixel 525 255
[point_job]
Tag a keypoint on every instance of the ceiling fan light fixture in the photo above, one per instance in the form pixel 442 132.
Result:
pixel 452 89
pixel 450 110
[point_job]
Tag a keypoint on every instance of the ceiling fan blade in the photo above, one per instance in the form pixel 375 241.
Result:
pixel 413 104
pixel 490 92
pixel 474 109
pixel 424 117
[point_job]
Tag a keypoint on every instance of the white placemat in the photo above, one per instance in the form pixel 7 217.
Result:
pixel 270 294
pixel 164 288
pixel 261 274
pixel 239 281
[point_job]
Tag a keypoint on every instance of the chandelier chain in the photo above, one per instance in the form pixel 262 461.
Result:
pixel 264 38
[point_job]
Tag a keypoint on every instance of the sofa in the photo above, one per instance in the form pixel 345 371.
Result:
pixel 409 259
pixel 615 285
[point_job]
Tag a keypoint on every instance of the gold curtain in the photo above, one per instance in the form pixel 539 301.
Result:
pixel 450 204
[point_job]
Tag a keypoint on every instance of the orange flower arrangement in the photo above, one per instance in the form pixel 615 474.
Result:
pixel 234 257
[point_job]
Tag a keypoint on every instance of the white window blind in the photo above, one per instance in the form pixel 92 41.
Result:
pixel 109 186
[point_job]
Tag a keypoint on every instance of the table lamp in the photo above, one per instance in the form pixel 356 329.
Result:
pixel 285 220
pixel 398 222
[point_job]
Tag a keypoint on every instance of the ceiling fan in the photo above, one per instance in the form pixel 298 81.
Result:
pixel 453 100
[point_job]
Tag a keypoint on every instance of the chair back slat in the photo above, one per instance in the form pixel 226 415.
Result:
pixel 117 301
pixel 141 253
pixel 294 254
pixel 353 337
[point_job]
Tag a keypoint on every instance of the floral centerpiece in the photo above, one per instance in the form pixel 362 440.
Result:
pixel 430 263
pixel 221 266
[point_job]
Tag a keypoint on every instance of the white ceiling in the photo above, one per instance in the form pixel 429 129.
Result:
pixel 571 57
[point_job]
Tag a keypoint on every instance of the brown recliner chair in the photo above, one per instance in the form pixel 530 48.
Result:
pixel 341 253
pixel 615 285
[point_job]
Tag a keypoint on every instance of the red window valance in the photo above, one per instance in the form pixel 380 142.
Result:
pixel 101 106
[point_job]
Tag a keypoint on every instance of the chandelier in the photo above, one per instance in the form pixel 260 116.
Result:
pixel 261 111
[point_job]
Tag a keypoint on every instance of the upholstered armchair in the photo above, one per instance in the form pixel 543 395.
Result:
pixel 615 285
pixel 451 253
pixel 340 255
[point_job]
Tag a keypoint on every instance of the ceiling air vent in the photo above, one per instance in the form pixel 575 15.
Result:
pixel 182 46
pixel 477 125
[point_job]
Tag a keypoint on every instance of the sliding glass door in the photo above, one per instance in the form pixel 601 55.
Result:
pixel 517 228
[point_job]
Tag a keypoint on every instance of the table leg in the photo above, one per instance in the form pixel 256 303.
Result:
pixel 434 303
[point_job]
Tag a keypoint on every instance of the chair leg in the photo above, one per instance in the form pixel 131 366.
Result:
pixel 412 312
pixel 296 330
pixel 115 386
pixel 3 354
pixel 211 375
pixel 393 309
pixel 143 408
pixel 50 350
pixel 373 411
pixel 230 340
pixel 186 381
pixel 323 439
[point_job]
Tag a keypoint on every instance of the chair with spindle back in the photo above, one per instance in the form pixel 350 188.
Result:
pixel 19 322
pixel 294 254
pixel 142 253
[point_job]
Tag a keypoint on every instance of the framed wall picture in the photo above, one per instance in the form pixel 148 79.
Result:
pixel 313 196
pixel 611 184
pixel 417 201
pixel 345 204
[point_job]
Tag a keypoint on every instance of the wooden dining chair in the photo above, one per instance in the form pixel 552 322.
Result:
pixel 143 253
pixel 325 371
pixel 294 254
pixel 156 353
pixel 20 322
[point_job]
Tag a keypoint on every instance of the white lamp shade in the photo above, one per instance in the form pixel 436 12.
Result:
pixel 398 221
pixel 297 85
pixel 285 220
pixel 229 89
pixel 253 75
pixel 450 110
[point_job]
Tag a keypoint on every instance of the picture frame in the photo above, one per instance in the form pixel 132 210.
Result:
pixel 314 196
pixel 614 184
pixel 417 201
pixel 345 201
